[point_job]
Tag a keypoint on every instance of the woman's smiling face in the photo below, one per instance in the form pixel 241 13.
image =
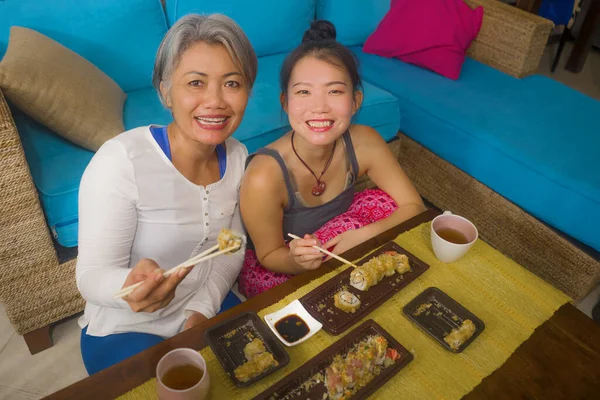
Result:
pixel 207 94
pixel 320 100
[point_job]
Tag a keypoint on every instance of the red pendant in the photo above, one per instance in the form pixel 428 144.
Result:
pixel 318 189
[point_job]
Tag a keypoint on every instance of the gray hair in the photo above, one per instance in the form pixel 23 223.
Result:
pixel 211 29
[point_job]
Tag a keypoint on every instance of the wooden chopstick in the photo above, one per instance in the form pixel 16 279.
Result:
pixel 322 250
pixel 126 290
pixel 189 263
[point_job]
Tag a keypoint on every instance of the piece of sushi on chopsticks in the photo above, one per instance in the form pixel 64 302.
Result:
pixel 373 271
pixel 227 242
pixel 228 239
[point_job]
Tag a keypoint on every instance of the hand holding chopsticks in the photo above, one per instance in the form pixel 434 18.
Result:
pixel 322 250
pixel 228 241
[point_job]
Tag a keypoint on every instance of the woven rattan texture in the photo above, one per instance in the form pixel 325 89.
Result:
pixel 34 289
pixel 510 40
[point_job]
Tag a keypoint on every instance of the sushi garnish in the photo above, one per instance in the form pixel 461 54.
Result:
pixel 349 373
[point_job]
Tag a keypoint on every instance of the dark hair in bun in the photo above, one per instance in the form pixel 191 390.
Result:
pixel 319 42
pixel 319 31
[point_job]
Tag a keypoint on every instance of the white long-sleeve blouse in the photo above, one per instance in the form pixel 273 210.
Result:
pixel 134 204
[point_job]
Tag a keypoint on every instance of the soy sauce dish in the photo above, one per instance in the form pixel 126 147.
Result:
pixel 293 324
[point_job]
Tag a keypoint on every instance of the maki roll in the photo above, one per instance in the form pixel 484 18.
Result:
pixel 228 239
pixel 389 264
pixel 346 301
pixel 362 278
pixel 253 348
pixel 460 335
pixel 373 271
pixel 402 265
pixel 377 266
pixel 351 372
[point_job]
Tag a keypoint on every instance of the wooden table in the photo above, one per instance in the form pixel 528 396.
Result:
pixel 561 360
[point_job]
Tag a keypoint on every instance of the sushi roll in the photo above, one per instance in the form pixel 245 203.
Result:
pixel 334 383
pixel 377 266
pixel 401 260
pixel 346 301
pixel 253 348
pixel 362 279
pixel 460 335
pixel 381 346
pixel 389 264
pixel 228 239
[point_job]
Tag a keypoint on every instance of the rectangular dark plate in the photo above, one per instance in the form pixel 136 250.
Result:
pixel 319 302
pixel 294 381
pixel 444 315
pixel 228 339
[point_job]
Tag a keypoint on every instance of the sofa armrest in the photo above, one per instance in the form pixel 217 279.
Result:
pixel 34 288
pixel 510 40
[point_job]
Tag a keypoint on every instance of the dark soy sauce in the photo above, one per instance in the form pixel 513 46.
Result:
pixel 292 328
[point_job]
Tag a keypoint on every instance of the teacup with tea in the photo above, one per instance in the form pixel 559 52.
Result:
pixel 452 236
pixel 182 375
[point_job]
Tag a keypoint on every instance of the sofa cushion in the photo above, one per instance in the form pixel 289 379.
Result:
pixel 56 167
pixel 264 120
pixel 354 20
pixel 61 89
pixel 532 140
pixel 273 26
pixel 433 34
pixel 119 39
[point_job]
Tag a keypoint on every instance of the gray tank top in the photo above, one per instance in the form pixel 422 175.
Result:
pixel 300 219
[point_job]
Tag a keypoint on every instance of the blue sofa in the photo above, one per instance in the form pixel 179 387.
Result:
pixel 57 165
pixel 503 131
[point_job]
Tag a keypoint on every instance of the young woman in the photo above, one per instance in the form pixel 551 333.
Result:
pixel 303 183
pixel 154 196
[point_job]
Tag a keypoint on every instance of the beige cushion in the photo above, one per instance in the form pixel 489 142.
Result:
pixel 60 89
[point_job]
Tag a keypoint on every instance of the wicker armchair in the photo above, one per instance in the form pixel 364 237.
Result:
pixel 36 290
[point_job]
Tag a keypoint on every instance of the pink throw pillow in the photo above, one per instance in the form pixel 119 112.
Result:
pixel 434 34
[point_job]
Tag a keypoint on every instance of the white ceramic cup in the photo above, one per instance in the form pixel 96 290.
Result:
pixel 444 250
pixel 176 358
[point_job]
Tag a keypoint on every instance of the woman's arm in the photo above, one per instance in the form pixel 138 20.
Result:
pixel 107 224
pixel 262 199
pixel 383 169
pixel 377 161
pixel 225 270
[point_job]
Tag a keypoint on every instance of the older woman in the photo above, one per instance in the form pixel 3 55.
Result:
pixel 154 196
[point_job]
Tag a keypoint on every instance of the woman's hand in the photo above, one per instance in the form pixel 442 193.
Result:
pixel 195 319
pixel 304 254
pixel 157 291
pixel 347 240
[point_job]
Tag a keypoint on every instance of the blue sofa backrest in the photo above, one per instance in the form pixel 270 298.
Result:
pixel 119 37
pixel 273 26
pixel 354 20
